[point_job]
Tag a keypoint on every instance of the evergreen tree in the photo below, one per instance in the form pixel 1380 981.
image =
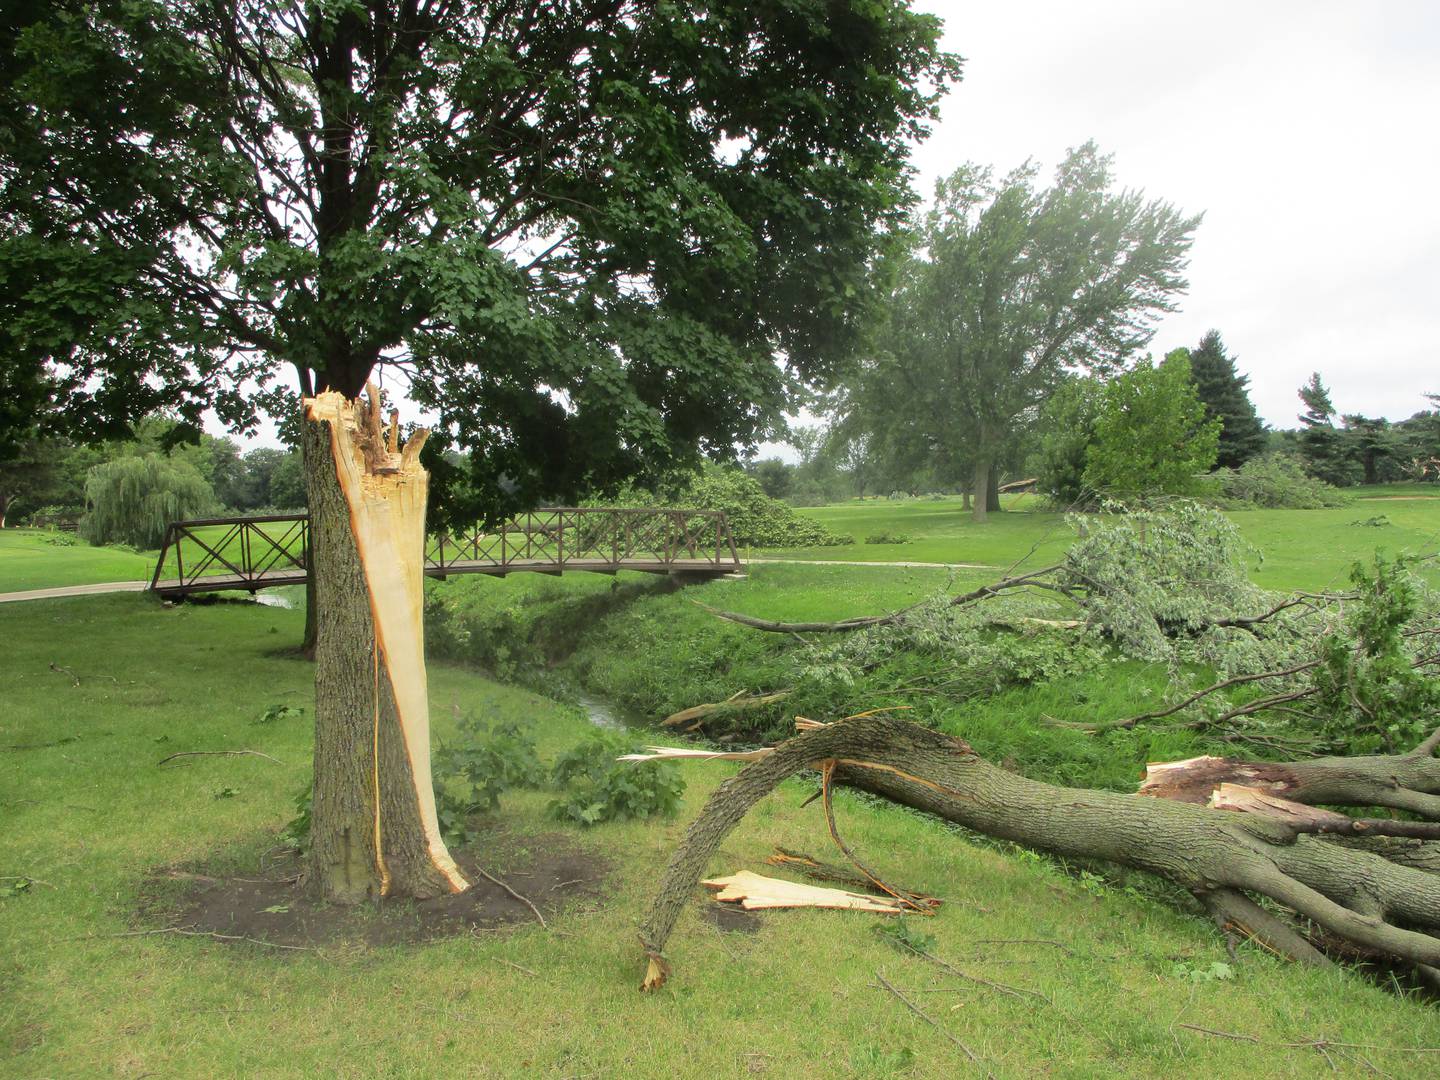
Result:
pixel 1226 397
pixel 1322 447
pixel 1373 444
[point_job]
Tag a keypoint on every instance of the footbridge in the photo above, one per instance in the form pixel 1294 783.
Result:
pixel 254 553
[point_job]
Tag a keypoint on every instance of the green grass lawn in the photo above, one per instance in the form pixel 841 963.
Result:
pixel 1310 549
pixel 87 813
pixel 29 559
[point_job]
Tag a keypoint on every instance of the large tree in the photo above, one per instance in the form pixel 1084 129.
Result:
pixel 595 236
pixel 1226 397
pixel 1010 286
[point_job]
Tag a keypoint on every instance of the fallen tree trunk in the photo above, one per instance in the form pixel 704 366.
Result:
pixel 1223 858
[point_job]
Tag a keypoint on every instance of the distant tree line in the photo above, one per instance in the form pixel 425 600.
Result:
pixel 118 490
pixel 1183 426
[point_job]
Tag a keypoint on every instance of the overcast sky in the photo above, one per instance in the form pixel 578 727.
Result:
pixel 1307 132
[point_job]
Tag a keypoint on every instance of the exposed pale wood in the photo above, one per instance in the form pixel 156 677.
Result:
pixel 755 891
pixel 386 489
pixel 675 753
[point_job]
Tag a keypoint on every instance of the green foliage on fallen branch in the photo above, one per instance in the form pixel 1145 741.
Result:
pixel 1154 580
pixel 1274 481
pixel 1369 692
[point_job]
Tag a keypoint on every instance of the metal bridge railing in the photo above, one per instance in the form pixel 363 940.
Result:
pixel 259 552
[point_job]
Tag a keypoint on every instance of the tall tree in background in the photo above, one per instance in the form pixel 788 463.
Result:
pixel 1373 444
pixel 584 231
pixel 1223 390
pixel 1011 286
pixel 1322 445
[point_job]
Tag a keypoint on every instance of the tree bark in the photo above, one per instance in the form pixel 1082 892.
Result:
pixel 992 490
pixel 1386 908
pixel 373 824
pixel 981 502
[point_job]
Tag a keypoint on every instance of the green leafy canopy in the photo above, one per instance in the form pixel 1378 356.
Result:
pixel 583 232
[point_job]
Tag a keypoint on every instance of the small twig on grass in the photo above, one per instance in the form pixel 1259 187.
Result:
pixel 930 1020
pixel 28 878
pixel 219 753
pixel 1024 941
pixel 76 678
pixel 517 967
pixel 1311 1044
pixel 492 878
pixel 182 931
pixel 1004 988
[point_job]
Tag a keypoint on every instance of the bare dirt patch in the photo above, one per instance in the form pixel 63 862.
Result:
pixel 267 907
pixel 731 917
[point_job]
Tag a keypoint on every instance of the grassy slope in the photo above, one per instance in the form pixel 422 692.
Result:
pixel 28 561
pixel 90 815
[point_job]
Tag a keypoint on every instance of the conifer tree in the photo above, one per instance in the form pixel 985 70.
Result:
pixel 1322 446
pixel 1226 397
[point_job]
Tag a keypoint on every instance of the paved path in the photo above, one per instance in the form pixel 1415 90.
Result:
pixel 75 590
pixel 876 562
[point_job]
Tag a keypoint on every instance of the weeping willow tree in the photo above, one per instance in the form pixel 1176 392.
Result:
pixel 132 499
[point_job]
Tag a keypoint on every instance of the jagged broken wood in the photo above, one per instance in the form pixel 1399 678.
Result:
pixel 1352 889
pixel 755 891
pixel 374 827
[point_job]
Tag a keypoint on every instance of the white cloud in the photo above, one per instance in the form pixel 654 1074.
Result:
pixel 1306 131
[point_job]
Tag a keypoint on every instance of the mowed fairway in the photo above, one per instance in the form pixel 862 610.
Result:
pixel 1309 549
pixel 31 559
pixel 88 813
pixel 90 816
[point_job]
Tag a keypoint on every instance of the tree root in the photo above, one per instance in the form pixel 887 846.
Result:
pixel 1382 907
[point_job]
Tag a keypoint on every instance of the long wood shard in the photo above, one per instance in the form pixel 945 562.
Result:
pixel 385 489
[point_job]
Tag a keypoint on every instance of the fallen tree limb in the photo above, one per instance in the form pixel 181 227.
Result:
pixel 1297 818
pixel 1398 781
pixel 692 718
pixel 820 871
pixel 1356 895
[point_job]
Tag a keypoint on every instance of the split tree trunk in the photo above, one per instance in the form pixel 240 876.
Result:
pixel 373 830
pixel 1385 907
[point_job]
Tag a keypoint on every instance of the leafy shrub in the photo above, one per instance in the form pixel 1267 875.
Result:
pixel 888 538
pixel 1142 432
pixel 472 773
pixel 595 787
pixel 755 518
pixel 297 829
pixel 61 540
pixel 1275 481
